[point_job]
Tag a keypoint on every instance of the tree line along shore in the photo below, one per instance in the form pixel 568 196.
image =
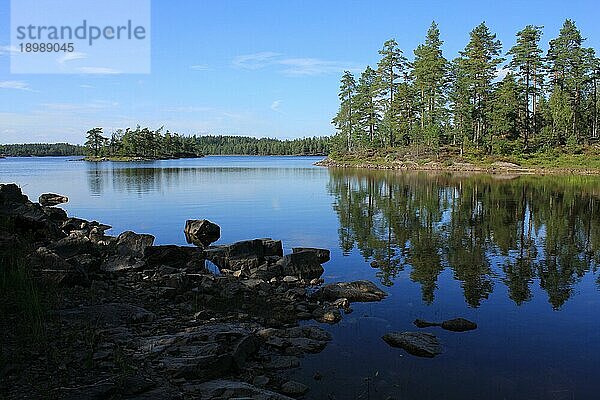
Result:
pixel 527 106
pixel 145 143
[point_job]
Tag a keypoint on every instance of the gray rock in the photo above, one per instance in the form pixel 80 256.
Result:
pixel 201 232
pixel 303 264
pixel 416 343
pixel 357 291
pixel 458 325
pixel 323 255
pixel 246 254
pixel 52 199
pixel 133 244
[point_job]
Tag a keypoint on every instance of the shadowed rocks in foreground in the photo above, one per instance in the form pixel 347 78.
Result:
pixel 127 318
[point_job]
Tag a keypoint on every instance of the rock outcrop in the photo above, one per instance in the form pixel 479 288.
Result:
pixel 130 319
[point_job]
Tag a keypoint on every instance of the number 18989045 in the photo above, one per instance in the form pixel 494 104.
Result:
pixel 46 47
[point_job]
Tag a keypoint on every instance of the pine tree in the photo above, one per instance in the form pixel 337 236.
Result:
pixel 479 61
pixel 95 141
pixel 527 63
pixel 430 77
pixel 569 68
pixel 505 121
pixel 346 116
pixel 390 69
pixel 366 98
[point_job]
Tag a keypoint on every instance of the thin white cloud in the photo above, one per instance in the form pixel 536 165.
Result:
pixel 297 66
pixel 275 105
pixel 84 86
pixel 313 66
pixel 92 106
pixel 17 85
pixel 186 109
pixel 256 60
pixel 199 67
pixel 98 70
pixel 71 57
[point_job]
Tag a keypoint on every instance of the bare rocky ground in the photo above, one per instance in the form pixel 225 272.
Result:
pixel 124 319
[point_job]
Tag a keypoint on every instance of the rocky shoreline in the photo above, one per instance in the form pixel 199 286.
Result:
pixel 127 319
pixel 494 168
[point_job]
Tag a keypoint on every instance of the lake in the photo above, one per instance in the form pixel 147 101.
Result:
pixel 519 255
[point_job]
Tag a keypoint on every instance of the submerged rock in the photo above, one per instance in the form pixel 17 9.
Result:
pixel 52 199
pixel 458 325
pixel 455 325
pixel 201 232
pixel 419 323
pixel 357 291
pixel 416 343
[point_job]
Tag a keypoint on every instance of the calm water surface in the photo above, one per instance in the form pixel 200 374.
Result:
pixel 518 255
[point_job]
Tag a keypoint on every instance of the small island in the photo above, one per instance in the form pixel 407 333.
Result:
pixel 139 144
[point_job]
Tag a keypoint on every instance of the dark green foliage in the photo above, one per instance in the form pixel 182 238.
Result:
pixel 473 103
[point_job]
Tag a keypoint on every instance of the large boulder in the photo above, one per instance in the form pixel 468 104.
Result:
pixel 52 199
pixel 133 244
pixel 128 252
pixel 416 343
pixel 201 232
pixel 246 254
pixel 357 291
pixel 323 255
pixel 303 264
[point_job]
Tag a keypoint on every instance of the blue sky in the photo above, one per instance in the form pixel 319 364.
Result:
pixel 258 68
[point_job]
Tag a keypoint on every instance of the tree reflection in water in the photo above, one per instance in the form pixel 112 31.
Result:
pixel 487 230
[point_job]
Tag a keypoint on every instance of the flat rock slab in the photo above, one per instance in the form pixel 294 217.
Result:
pixel 416 343
pixel 107 315
pixel 224 389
